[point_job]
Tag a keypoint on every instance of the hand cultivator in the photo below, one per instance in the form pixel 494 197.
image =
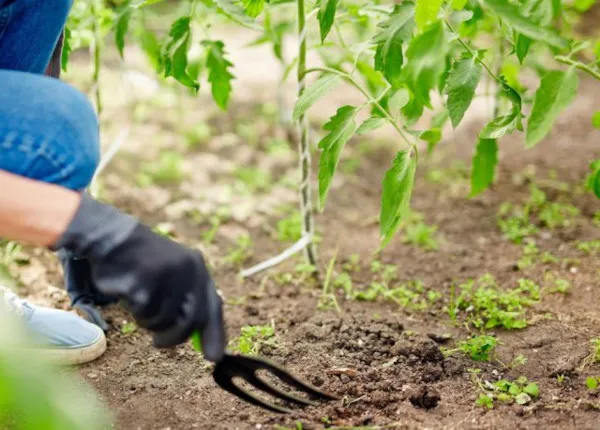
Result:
pixel 232 366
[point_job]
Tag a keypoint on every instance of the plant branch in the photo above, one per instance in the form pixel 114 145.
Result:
pixel 577 64
pixel 97 54
pixel 475 55
pixel 369 97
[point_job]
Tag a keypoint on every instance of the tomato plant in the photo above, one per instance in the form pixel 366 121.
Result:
pixel 407 59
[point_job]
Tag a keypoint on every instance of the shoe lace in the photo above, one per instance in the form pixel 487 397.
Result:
pixel 11 301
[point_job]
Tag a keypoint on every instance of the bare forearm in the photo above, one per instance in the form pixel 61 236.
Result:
pixel 34 212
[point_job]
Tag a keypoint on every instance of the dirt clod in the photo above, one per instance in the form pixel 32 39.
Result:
pixel 424 397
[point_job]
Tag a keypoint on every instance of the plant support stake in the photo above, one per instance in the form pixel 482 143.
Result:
pixel 306 209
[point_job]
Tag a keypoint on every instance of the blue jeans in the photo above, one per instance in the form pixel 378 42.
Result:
pixel 48 129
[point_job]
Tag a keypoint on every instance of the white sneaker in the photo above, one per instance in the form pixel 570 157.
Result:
pixel 61 337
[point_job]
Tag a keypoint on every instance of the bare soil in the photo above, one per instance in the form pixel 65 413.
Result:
pixel 384 361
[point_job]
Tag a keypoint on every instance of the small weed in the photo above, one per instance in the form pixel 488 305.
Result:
pixel 485 400
pixel 352 265
pixel 128 328
pixel 167 170
pixel 478 348
pixel 514 223
pixel 456 173
pixel 10 253
pixel 589 248
pixel 241 252
pixel 560 378
pixel 518 361
pixel 592 382
pixel 199 134
pixel 417 233
pixel 518 222
pixel 165 229
pixel 531 256
pixel 216 219
pixel 253 338
pixel 596 219
pixel 486 306
pixel 554 215
pixel 409 295
pixel 250 180
pixel 519 391
pixel 290 229
pixel 328 298
pixel 556 285
pixel 276 147
pixel 298 426
pixel 248 132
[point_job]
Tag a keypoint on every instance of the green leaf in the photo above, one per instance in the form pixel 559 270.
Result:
pixel 175 53
pixel 236 13
pixel 484 166
pixel 460 87
pixel 459 4
pixel 196 341
pixel 370 124
pixel 426 12
pixel 121 30
pixel 254 7
pixel 315 92
pixel 594 182
pixel 596 120
pixel 396 194
pixel 522 399
pixel 396 30
pixel 532 389
pixel 150 45
pixel 398 101
pixel 219 75
pixel 67 48
pixel 433 135
pixel 522 47
pixel 540 12
pixel 584 5
pixel 511 15
pixel 508 123
pixel 591 383
pixel 341 127
pixel 556 92
pixel 326 16
pixel 426 63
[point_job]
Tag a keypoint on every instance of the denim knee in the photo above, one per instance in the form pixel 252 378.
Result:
pixel 78 140
pixel 48 130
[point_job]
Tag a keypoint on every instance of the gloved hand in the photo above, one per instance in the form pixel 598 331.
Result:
pixel 165 286
pixel 82 289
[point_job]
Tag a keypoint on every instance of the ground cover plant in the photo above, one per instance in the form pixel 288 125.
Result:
pixel 450 268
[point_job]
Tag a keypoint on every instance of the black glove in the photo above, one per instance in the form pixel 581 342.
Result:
pixel 165 286
pixel 82 290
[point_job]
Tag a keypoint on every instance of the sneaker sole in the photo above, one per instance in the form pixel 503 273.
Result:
pixel 75 356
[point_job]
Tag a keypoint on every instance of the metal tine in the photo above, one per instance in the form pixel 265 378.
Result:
pixel 284 375
pixel 225 381
pixel 265 386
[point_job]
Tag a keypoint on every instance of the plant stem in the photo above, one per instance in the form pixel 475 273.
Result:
pixel 306 209
pixel 580 66
pixel 97 54
pixel 475 55
pixel 369 97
